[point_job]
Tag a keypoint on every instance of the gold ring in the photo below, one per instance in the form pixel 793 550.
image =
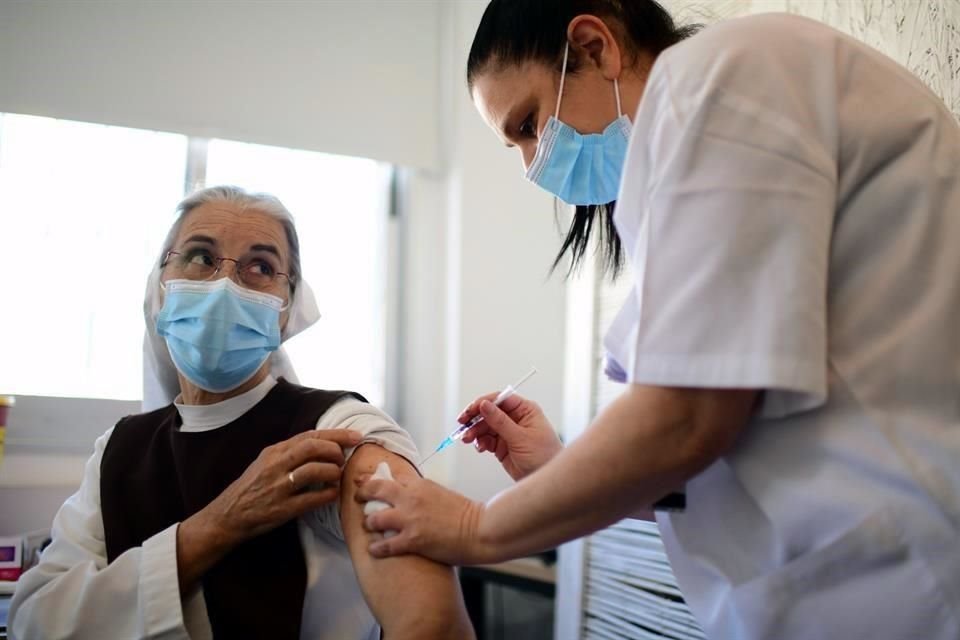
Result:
pixel 293 483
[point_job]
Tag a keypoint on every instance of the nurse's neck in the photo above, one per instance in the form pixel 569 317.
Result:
pixel 633 80
pixel 191 394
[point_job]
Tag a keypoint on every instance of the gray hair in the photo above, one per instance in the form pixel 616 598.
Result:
pixel 263 202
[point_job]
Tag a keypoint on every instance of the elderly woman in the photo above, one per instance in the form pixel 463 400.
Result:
pixel 219 514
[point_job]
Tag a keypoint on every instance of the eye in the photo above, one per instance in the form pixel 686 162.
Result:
pixel 200 257
pixel 258 267
pixel 528 128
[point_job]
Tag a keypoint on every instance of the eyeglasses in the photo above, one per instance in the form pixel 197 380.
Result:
pixel 253 272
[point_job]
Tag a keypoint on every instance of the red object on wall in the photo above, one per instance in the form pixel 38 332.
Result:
pixel 11 574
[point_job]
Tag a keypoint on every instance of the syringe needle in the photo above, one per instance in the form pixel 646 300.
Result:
pixel 458 432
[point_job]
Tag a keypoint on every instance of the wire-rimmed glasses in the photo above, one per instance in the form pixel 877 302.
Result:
pixel 254 272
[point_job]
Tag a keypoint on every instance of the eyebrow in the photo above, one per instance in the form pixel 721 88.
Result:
pixel 269 248
pixel 200 238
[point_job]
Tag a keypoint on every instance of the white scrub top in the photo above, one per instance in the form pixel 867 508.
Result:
pixel 74 593
pixel 791 210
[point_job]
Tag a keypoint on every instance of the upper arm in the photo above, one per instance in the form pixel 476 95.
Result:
pixel 409 595
pixel 700 424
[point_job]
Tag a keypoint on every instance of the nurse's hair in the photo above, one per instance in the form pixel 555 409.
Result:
pixel 262 202
pixel 514 32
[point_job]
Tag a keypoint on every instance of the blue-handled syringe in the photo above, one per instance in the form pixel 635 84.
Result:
pixel 457 433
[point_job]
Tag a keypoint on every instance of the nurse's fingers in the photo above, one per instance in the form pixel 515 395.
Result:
pixel 499 422
pixel 474 407
pixel 383 490
pixel 477 431
pixel 398 545
pixel 386 520
pixel 502 450
pixel 474 432
pixel 487 442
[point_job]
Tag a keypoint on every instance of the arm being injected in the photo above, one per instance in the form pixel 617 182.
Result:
pixel 457 433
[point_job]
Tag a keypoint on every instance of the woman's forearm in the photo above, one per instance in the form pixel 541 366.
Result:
pixel 644 445
pixel 200 545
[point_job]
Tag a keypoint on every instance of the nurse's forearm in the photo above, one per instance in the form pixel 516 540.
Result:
pixel 643 446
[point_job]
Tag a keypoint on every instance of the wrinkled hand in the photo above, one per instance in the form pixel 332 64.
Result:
pixel 428 519
pixel 516 432
pixel 264 497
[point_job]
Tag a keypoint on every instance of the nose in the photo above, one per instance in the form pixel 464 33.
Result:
pixel 527 153
pixel 234 267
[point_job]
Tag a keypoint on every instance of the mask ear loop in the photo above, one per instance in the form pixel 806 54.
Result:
pixel 616 92
pixel 563 77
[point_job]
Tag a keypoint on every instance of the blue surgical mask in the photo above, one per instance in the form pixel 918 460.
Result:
pixel 218 333
pixel 581 169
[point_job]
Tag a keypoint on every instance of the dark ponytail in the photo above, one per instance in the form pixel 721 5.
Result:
pixel 514 32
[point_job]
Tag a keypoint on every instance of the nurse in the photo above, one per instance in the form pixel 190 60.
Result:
pixel 788 201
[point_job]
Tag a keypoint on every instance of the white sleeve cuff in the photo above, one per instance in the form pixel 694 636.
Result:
pixel 160 586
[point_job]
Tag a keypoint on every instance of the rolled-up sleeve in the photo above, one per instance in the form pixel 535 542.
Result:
pixel 376 427
pixel 74 593
pixel 733 221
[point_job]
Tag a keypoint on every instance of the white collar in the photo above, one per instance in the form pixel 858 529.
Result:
pixel 206 417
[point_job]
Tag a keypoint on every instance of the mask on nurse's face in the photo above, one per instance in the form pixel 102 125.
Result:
pixel 218 333
pixel 581 169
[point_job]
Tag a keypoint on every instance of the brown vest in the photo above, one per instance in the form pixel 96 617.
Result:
pixel 153 475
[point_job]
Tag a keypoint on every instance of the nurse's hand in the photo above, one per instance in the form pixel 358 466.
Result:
pixel 516 432
pixel 429 520
pixel 286 480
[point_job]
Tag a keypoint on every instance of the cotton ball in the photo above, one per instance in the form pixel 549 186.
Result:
pixel 382 473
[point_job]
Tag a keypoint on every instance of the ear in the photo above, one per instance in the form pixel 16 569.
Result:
pixel 596 44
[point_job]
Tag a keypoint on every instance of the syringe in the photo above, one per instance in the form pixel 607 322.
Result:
pixel 457 433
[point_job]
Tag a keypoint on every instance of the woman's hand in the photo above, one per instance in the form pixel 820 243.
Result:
pixel 516 432
pixel 286 480
pixel 428 519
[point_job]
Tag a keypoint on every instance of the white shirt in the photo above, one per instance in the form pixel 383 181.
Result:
pixel 791 209
pixel 74 593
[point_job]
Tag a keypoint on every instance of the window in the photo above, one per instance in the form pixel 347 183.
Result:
pixel 340 207
pixel 85 208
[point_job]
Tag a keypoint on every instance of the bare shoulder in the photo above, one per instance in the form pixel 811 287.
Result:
pixel 369 454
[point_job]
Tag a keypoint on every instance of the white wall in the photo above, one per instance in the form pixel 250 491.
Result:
pixel 357 77
pixel 503 313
